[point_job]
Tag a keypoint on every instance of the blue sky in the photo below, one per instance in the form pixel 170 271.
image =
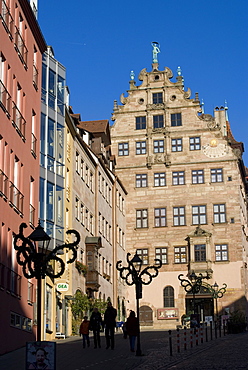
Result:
pixel 100 42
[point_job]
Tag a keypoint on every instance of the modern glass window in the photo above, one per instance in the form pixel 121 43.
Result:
pixel 161 254
pixel 160 217
pixel 158 146
pixel 159 179
pixel 200 252
pixel 157 98
pixel 221 252
pixel 216 175
pixel 199 215
pixel 176 119
pixel 143 255
pixel 219 213
pixel 123 149
pixel 178 178
pixel 140 147
pixel 141 180
pixel 50 202
pixel 42 199
pixel 50 138
pixel 195 143
pixel 198 177
pixel 51 89
pixel 158 121
pixel 179 216
pixel 180 255
pixel 42 140
pixel 140 123
pixel 60 94
pixel 176 145
pixel 168 294
pixel 141 218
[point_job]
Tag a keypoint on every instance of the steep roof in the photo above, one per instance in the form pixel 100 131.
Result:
pixel 98 128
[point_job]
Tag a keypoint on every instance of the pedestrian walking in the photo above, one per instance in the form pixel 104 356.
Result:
pixel 96 325
pixel 132 329
pixel 110 324
pixel 84 331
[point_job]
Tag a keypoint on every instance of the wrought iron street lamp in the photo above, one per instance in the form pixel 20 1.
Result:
pixel 217 293
pixel 193 285
pixel 36 259
pixel 132 274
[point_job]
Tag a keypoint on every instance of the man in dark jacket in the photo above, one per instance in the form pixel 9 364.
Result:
pixel 95 325
pixel 110 324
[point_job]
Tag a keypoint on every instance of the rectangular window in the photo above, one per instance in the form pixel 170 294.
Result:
pixel 140 147
pixel 123 149
pixel 51 88
pixel 195 143
pixel 180 255
pixel 221 252
pixel 141 181
pixel 198 177
pixel 178 178
pixel 216 175
pixel 140 123
pixel 143 254
pixel 161 254
pixel 158 146
pixel 159 179
pixel 77 162
pixel 50 202
pixel 157 98
pixel 200 252
pixel 141 218
pixel 199 215
pixel 179 216
pixel 160 217
pixel 176 145
pixel 176 119
pixel 48 307
pixel 219 213
pixel 158 121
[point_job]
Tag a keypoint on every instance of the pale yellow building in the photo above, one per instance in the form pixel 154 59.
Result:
pixel 187 197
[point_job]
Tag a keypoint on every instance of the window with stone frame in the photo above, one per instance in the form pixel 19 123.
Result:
pixel 216 174
pixel 195 143
pixel 158 121
pixel 157 98
pixel 159 217
pixel 141 180
pixel 140 147
pixel 140 123
pixel 199 215
pixel 178 178
pixel 180 254
pixel 141 218
pixel 177 145
pixel 221 252
pixel 200 252
pixel 179 218
pixel 219 213
pixel 168 295
pixel 161 254
pixel 143 255
pixel 159 179
pixel 123 149
pixel 158 146
pixel 197 176
pixel 176 119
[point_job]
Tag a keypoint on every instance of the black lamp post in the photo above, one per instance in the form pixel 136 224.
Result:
pixel 35 258
pixel 132 274
pixel 217 293
pixel 193 285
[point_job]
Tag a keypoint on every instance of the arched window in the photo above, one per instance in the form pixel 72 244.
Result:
pixel 169 296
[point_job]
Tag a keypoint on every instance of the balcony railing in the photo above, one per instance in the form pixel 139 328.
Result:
pixel 18 121
pixel 35 77
pixel 21 47
pixel 13 283
pixel 16 198
pixel 31 215
pixel 3 185
pixel 5 99
pixel 33 145
pixel 6 18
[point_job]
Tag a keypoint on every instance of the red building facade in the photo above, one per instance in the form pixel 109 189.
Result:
pixel 21 48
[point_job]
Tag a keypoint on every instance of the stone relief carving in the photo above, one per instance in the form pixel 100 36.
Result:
pixel 142 73
pixel 169 72
pixel 187 94
pixel 123 99
pixel 156 106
